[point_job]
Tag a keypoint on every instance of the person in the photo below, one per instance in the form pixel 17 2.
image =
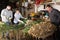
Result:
pixel 17 17
pixel 54 16
pixel 7 15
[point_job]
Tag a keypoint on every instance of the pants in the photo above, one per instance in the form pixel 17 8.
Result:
pixel 57 33
pixel 8 23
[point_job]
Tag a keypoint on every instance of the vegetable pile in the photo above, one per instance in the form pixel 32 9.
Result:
pixel 42 30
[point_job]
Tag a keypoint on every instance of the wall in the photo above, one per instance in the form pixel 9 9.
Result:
pixel 57 0
pixel 56 6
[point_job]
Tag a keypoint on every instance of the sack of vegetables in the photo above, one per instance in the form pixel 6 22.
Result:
pixel 42 30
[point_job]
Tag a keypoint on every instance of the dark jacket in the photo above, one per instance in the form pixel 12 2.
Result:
pixel 55 16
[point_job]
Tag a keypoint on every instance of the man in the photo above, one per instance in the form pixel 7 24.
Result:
pixel 6 15
pixel 54 16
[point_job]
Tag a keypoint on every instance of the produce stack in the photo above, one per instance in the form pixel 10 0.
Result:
pixel 10 31
pixel 42 30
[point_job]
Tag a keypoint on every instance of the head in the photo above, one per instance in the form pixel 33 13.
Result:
pixel 49 8
pixel 17 11
pixel 8 7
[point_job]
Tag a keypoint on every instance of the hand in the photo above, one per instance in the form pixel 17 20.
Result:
pixel 10 18
pixel 21 21
pixel 25 18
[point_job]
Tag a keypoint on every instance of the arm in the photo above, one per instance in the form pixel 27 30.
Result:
pixel 21 16
pixel 57 14
pixel 2 13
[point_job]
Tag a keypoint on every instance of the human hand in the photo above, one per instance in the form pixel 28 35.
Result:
pixel 21 21
pixel 10 18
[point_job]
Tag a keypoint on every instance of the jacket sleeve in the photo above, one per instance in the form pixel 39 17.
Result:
pixel 57 13
pixel 21 16
pixel 2 13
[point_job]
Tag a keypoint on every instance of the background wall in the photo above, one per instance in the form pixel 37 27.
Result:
pixel 56 6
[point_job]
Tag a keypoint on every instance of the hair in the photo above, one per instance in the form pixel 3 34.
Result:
pixel 48 5
pixel 17 10
pixel 9 5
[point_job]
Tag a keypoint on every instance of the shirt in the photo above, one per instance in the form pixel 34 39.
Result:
pixel 17 17
pixel 54 16
pixel 5 15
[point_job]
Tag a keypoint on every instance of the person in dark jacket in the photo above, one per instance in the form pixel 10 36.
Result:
pixel 54 16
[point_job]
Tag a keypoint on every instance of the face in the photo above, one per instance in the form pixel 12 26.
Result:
pixel 9 7
pixel 48 8
pixel 17 11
